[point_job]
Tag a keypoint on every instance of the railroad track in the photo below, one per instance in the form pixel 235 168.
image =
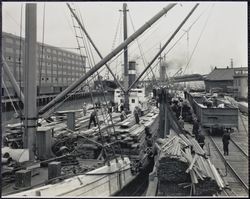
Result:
pixel 236 162
pixel 239 147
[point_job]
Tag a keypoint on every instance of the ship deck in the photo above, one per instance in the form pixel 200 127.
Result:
pixel 40 176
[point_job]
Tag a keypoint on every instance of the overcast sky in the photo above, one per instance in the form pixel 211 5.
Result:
pixel 223 37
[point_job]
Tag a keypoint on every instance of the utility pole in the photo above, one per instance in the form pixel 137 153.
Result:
pixel 30 89
pixel 126 78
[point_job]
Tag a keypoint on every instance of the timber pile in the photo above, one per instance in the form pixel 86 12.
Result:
pixel 132 136
pixel 178 164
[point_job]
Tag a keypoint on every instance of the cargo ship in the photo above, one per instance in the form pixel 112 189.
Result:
pixel 50 157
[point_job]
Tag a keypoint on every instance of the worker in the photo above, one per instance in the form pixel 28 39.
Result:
pixel 201 140
pixel 181 122
pixel 136 114
pixel 157 101
pixel 140 109
pixel 225 140
pixel 215 101
pixel 93 116
pixel 185 93
pixel 116 107
pixel 123 115
pixel 121 107
pixel 110 107
pixel 84 109
pixel 196 127
pixel 206 102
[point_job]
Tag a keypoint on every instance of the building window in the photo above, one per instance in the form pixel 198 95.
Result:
pixel 133 100
pixel 239 82
pixel 9 40
pixel 9 50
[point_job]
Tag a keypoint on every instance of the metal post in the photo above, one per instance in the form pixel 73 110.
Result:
pixel 164 46
pixel 167 122
pixel 30 89
pixel 125 79
pixel 162 113
pixel 106 59
pixel 12 80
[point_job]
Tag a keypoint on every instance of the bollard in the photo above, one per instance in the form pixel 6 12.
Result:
pixel 23 179
pixel 54 170
pixel 71 120
pixel 44 142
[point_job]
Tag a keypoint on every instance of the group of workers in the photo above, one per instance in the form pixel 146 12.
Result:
pixel 177 108
pixel 93 116
pixel 210 102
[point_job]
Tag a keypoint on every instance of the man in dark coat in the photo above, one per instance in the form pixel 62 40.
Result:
pixel 196 128
pixel 201 140
pixel 136 115
pixel 225 140
pixel 92 118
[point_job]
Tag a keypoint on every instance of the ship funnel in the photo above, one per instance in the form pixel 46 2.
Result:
pixel 163 71
pixel 131 72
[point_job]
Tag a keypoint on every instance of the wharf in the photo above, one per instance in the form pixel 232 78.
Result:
pixel 236 158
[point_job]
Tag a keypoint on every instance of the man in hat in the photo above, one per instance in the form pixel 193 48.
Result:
pixel 92 118
pixel 225 140
pixel 84 109
pixel 201 140
pixel 196 127
pixel 136 114
pixel 181 122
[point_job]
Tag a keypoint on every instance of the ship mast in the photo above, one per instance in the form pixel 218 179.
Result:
pixel 30 89
pixel 126 80
pixel 108 57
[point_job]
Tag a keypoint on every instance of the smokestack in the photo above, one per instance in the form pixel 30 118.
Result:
pixel 163 70
pixel 232 63
pixel 131 72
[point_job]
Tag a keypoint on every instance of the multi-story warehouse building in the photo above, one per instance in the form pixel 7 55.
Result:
pixel 57 68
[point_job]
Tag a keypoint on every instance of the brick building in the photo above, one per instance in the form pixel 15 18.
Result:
pixel 58 67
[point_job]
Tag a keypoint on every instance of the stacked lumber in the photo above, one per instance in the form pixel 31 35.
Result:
pixel 178 164
pixel 132 136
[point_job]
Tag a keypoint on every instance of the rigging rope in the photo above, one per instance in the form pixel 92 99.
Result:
pixel 7 91
pixel 41 58
pixel 203 28
pixel 91 61
pixel 102 87
pixel 20 57
pixel 189 28
pixel 115 38
pixel 140 49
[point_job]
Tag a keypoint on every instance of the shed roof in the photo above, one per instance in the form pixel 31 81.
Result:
pixel 221 74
